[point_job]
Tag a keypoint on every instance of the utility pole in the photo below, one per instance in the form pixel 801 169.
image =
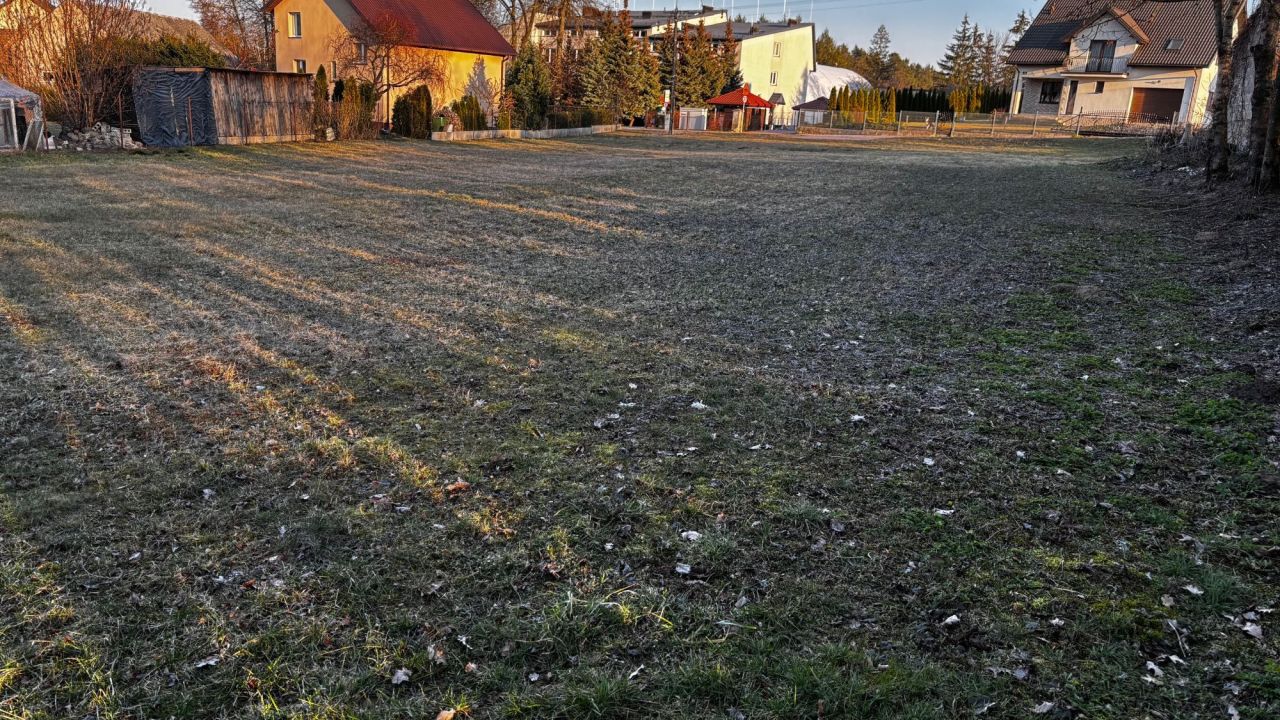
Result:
pixel 675 68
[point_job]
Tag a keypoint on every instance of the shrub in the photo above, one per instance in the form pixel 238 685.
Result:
pixel 320 104
pixel 470 113
pixel 411 116
pixel 355 112
pixel 577 118
pixel 529 88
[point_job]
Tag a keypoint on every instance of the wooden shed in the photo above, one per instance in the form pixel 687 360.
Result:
pixel 220 106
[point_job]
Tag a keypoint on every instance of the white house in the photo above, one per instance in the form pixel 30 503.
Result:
pixel 1134 59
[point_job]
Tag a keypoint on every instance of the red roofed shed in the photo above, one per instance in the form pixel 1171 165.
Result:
pixel 742 110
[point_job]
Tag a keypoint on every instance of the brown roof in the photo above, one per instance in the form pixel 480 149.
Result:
pixel 436 24
pixel 1048 39
pixel 818 104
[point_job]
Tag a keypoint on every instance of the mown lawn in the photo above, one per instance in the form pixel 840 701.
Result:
pixel 631 427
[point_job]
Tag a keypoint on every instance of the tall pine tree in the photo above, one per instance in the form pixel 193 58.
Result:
pixel 878 59
pixel 618 74
pixel 729 61
pixel 1019 28
pixel 529 87
pixel 960 62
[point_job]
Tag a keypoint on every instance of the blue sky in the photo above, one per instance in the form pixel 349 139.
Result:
pixel 919 28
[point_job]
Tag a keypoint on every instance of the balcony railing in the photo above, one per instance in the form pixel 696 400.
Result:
pixel 1099 65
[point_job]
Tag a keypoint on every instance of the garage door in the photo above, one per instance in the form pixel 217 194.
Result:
pixel 1153 104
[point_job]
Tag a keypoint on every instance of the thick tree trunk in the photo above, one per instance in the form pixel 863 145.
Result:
pixel 1269 176
pixel 1220 145
pixel 1264 76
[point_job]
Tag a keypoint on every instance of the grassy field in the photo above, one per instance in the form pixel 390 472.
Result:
pixel 632 426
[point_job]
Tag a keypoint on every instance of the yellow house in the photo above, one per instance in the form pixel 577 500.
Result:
pixel 469 50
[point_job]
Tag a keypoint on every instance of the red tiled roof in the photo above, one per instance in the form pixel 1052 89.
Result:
pixel 436 24
pixel 1047 41
pixel 734 98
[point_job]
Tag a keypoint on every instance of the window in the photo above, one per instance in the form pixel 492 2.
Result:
pixel 295 24
pixel 777 49
pixel 362 53
pixel 1102 54
pixel 300 66
pixel 1051 92
pixel 1098 87
pixel 773 78
pixel 1173 44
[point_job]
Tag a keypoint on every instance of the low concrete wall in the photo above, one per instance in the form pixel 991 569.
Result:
pixel 469 135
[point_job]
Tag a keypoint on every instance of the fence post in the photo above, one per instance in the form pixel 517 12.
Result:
pixel 119 117
pixel 1034 123
pixel 900 121
pixel 1079 117
pixel 191 139
pixel 954 116
pixel 993 124
pixel 937 117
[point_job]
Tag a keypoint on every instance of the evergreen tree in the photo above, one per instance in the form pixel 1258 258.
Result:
pixel 988 69
pixel 878 59
pixel 601 70
pixel 960 62
pixel 1020 25
pixel 642 78
pixel 729 61
pixel 1019 28
pixel 668 49
pixel 618 74
pixel 529 87
pixel 701 73
pixel 320 103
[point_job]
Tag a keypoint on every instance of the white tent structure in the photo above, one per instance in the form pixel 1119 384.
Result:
pixel 822 81
pixel 21 122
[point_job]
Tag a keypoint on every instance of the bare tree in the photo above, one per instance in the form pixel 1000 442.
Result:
pixel 377 52
pixel 1265 105
pixel 519 17
pixel 73 55
pixel 244 27
pixel 1226 13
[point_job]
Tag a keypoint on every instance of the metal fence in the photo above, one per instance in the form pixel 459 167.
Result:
pixel 999 124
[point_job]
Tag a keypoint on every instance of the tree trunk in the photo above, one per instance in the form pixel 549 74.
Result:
pixel 1220 145
pixel 1264 76
pixel 1269 176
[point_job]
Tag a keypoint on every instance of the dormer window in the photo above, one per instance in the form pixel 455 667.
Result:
pixel 1173 44
pixel 1102 55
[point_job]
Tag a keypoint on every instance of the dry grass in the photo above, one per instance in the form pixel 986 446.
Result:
pixel 278 422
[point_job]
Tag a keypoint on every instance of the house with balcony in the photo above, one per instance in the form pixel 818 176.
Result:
pixel 1137 60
